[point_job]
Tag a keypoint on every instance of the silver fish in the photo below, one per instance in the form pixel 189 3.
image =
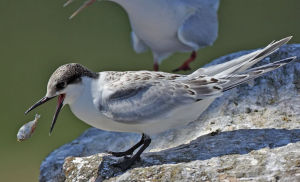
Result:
pixel 27 129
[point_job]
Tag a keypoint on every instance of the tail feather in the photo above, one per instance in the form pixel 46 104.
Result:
pixel 242 63
pixel 237 79
pixel 261 54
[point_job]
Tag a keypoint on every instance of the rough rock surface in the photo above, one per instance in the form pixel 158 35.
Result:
pixel 251 133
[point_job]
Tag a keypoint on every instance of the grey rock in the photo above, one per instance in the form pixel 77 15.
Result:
pixel 251 133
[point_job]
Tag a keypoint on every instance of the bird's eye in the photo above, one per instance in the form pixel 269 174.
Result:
pixel 61 85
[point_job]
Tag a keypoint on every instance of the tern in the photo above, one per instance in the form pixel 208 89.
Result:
pixel 149 102
pixel 169 26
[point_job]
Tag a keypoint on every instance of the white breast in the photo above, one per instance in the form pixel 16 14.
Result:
pixel 85 109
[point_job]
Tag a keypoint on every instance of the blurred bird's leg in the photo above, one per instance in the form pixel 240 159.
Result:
pixel 155 66
pixel 85 4
pixel 186 65
pixel 129 151
pixel 127 163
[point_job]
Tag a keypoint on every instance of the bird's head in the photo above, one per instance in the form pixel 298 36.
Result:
pixel 66 84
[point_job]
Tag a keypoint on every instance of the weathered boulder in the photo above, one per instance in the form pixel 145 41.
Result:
pixel 251 133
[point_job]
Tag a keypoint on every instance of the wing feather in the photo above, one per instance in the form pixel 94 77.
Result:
pixel 139 99
pixel 200 29
pixel 138 45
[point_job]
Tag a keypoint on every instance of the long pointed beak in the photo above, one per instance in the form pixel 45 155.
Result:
pixel 38 103
pixel 59 106
pixel 60 103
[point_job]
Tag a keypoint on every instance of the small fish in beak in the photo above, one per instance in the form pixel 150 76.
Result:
pixel 27 129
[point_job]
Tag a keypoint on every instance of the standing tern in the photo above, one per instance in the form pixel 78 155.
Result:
pixel 149 102
pixel 169 26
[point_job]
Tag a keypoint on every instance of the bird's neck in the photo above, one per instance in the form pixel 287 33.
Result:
pixel 85 105
pixel 76 91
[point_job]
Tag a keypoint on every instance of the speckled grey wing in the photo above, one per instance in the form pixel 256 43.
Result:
pixel 200 29
pixel 146 100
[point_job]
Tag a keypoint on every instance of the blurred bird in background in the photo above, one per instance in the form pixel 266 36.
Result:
pixel 169 26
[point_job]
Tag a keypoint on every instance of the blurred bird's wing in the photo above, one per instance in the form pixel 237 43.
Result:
pixel 139 97
pixel 138 45
pixel 200 29
pixel 214 4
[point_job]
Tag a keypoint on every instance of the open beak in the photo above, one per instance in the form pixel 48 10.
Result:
pixel 60 102
pixel 38 103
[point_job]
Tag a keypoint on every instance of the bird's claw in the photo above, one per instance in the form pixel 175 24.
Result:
pixel 119 154
pixel 122 166
pixel 126 164
pixel 186 65
pixel 182 68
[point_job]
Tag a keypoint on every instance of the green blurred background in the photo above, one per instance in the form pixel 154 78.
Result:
pixel 36 37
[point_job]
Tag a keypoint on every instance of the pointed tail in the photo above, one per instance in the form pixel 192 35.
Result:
pixel 242 63
pixel 234 80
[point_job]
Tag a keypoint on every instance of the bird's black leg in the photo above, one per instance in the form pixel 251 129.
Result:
pixel 124 165
pixel 131 150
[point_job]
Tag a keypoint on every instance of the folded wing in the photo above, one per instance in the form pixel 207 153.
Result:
pixel 145 99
